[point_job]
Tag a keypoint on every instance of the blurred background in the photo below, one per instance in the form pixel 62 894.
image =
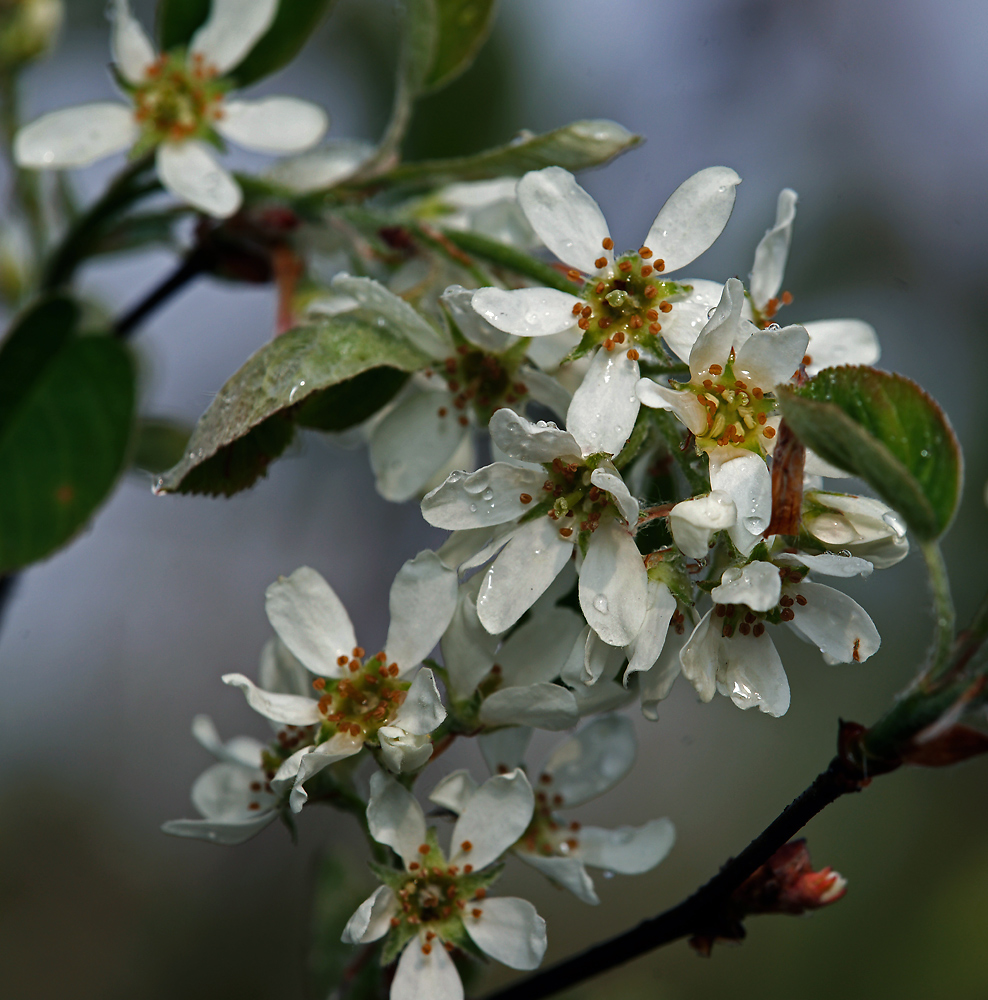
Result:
pixel 875 112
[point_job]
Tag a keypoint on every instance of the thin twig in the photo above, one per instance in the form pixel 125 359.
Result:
pixel 196 263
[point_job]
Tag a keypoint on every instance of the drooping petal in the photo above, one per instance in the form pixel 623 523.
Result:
pixel 655 684
pixel 133 53
pixel 537 650
pixel 596 655
pixel 336 748
pixel 628 850
pixel 280 670
pixel 459 301
pixel 605 407
pixel 567 872
pixel 190 172
pixel 683 403
pixel 422 973
pixel 422 601
pixel 422 710
pixel 372 919
pixel 606 477
pixel 543 706
pixel 612 585
pixel 528 441
pixel 497 814
pixel 311 621
pixel 566 219
pixel 693 217
pixel 751 674
pixel 233 28
pixel 682 325
pixel 773 251
pixel 694 521
pixel 645 649
pixel 842 519
pixel 273 124
pixel 591 762
pixel 504 749
pixel 720 333
pixel 489 496
pixel 229 833
pixel 828 563
pixel 771 357
pixel 467 647
pixel 223 793
pixel 508 929
pixel 527 312
pixel 745 478
pixel 244 751
pixel 700 657
pixel 75 137
pixel 520 574
pixel 321 169
pixel 289 709
pixel 394 817
pixel 403 752
pixel 455 790
pixel 757 585
pixel 841 342
pixel 837 625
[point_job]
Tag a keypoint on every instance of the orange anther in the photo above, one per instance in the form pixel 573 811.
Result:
pixel 525 497
pixel 600 262
pixel 607 243
pixel 644 252
pixel 633 355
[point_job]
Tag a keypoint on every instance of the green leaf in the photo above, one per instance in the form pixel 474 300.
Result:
pixel 159 443
pixel 251 420
pixel 179 20
pixel 462 28
pixel 138 231
pixel 351 402
pixel 887 430
pixel 577 146
pixel 66 407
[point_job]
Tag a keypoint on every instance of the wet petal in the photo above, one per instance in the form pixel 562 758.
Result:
pixel 527 312
pixel 422 710
pixel 423 974
pixel 841 342
pixel 455 790
pixel 838 626
pixel 771 357
pixel 700 657
pixel 372 919
pixel 75 137
pixel 508 929
pixel 459 301
pixel 827 563
pixel 745 478
pixel 773 251
pixel 544 706
pixel 273 124
pixel 133 53
pixel 606 477
pixel 394 817
pixel 655 684
pixel 529 441
pixel 234 27
pixel 751 674
pixel 689 315
pixel 591 762
pixel 720 333
pixel 756 585
pixel 612 585
pixel 497 814
pixel 693 217
pixel 290 709
pixel 694 521
pixel 403 752
pixel 683 403
pixel 566 219
pixel 336 748
pixel 604 409
pixel 548 352
pixel 190 172
pixel 422 601
pixel 645 649
pixel 489 496
pixel 566 872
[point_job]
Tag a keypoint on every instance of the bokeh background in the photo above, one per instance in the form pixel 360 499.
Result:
pixel 876 112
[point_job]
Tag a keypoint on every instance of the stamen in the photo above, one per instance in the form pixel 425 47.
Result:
pixel 644 252
pixel 600 262
pixel 607 243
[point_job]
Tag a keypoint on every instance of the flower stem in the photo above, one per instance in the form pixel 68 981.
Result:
pixel 943 610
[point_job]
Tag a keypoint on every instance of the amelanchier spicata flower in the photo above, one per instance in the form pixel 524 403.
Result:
pixel 730 650
pixel 559 490
pixel 860 526
pixel 180 108
pixel 436 903
pixel 626 303
pixel 361 700
pixel 728 406
pixel 583 768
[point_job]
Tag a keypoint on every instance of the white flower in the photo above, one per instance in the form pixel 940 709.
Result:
pixel 730 650
pixel 583 768
pixel 561 490
pixel 693 522
pixel 180 108
pixel 362 700
pixel 733 366
pixel 626 303
pixel 487 207
pixel 323 168
pixel 237 797
pixel 436 904
pixel 861 525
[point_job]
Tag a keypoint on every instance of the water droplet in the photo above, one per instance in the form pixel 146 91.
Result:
pixel 531 318
pixel 925 453
pixel 895 523
pixel 381 321
pixel 600 603
pixel 455 477
pixel 473 508
pixel 488 494
pixel 754 525
pixel 607 874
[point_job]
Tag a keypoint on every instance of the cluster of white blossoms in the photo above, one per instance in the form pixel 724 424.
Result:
pixel 592 562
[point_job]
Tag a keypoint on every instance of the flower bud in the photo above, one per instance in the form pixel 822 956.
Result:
pixel 28 29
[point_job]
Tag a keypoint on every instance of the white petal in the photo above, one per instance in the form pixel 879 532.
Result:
pixel 841 342
pixel 422 710
pixel 311 620
pixel 421 975
pixel 241 750
pixel 700 657
pixel 273 124
pixel 323 168
pixel 655 684
pixel 219 832
pixel 693 217
pixel 544 706
pixel 751 674
pixel 884 553
pixel 745 478
pixel 509 930
pixel 290 709
pixel 455 790
pixel 504 749
pixel 771 356
pixel 336 748
pixel 567 872
pixel 564 216
pixel 526 441
pixel 606 477
pixel 612 585
pixel 694 521
pixel 545 389
pixel 848 519
pixel 459 301
pixel 190 172
pixel 537 651
pixel 394 817
pixel 689 315
pixel 607 694
pixel 75 137
pixel 132 50
pixel 422 601
pixel 372 919
pixel 489 496
pixel 548 352
pixel 403 752
pixel 591 762
pixel 234 27
pixel 527 312
pixel 628 850
pixel 467 647
pixel 645 649
pixel 720 333
pixel 605 407
pixel 814 465
pixel 497 814
pixel 280 670
pixel 757 585
pixel 682 402
pixel 773 250
pixel 596 654
pixel 827 563
pixel 839 627
pixel 522 571
pixel 223 793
